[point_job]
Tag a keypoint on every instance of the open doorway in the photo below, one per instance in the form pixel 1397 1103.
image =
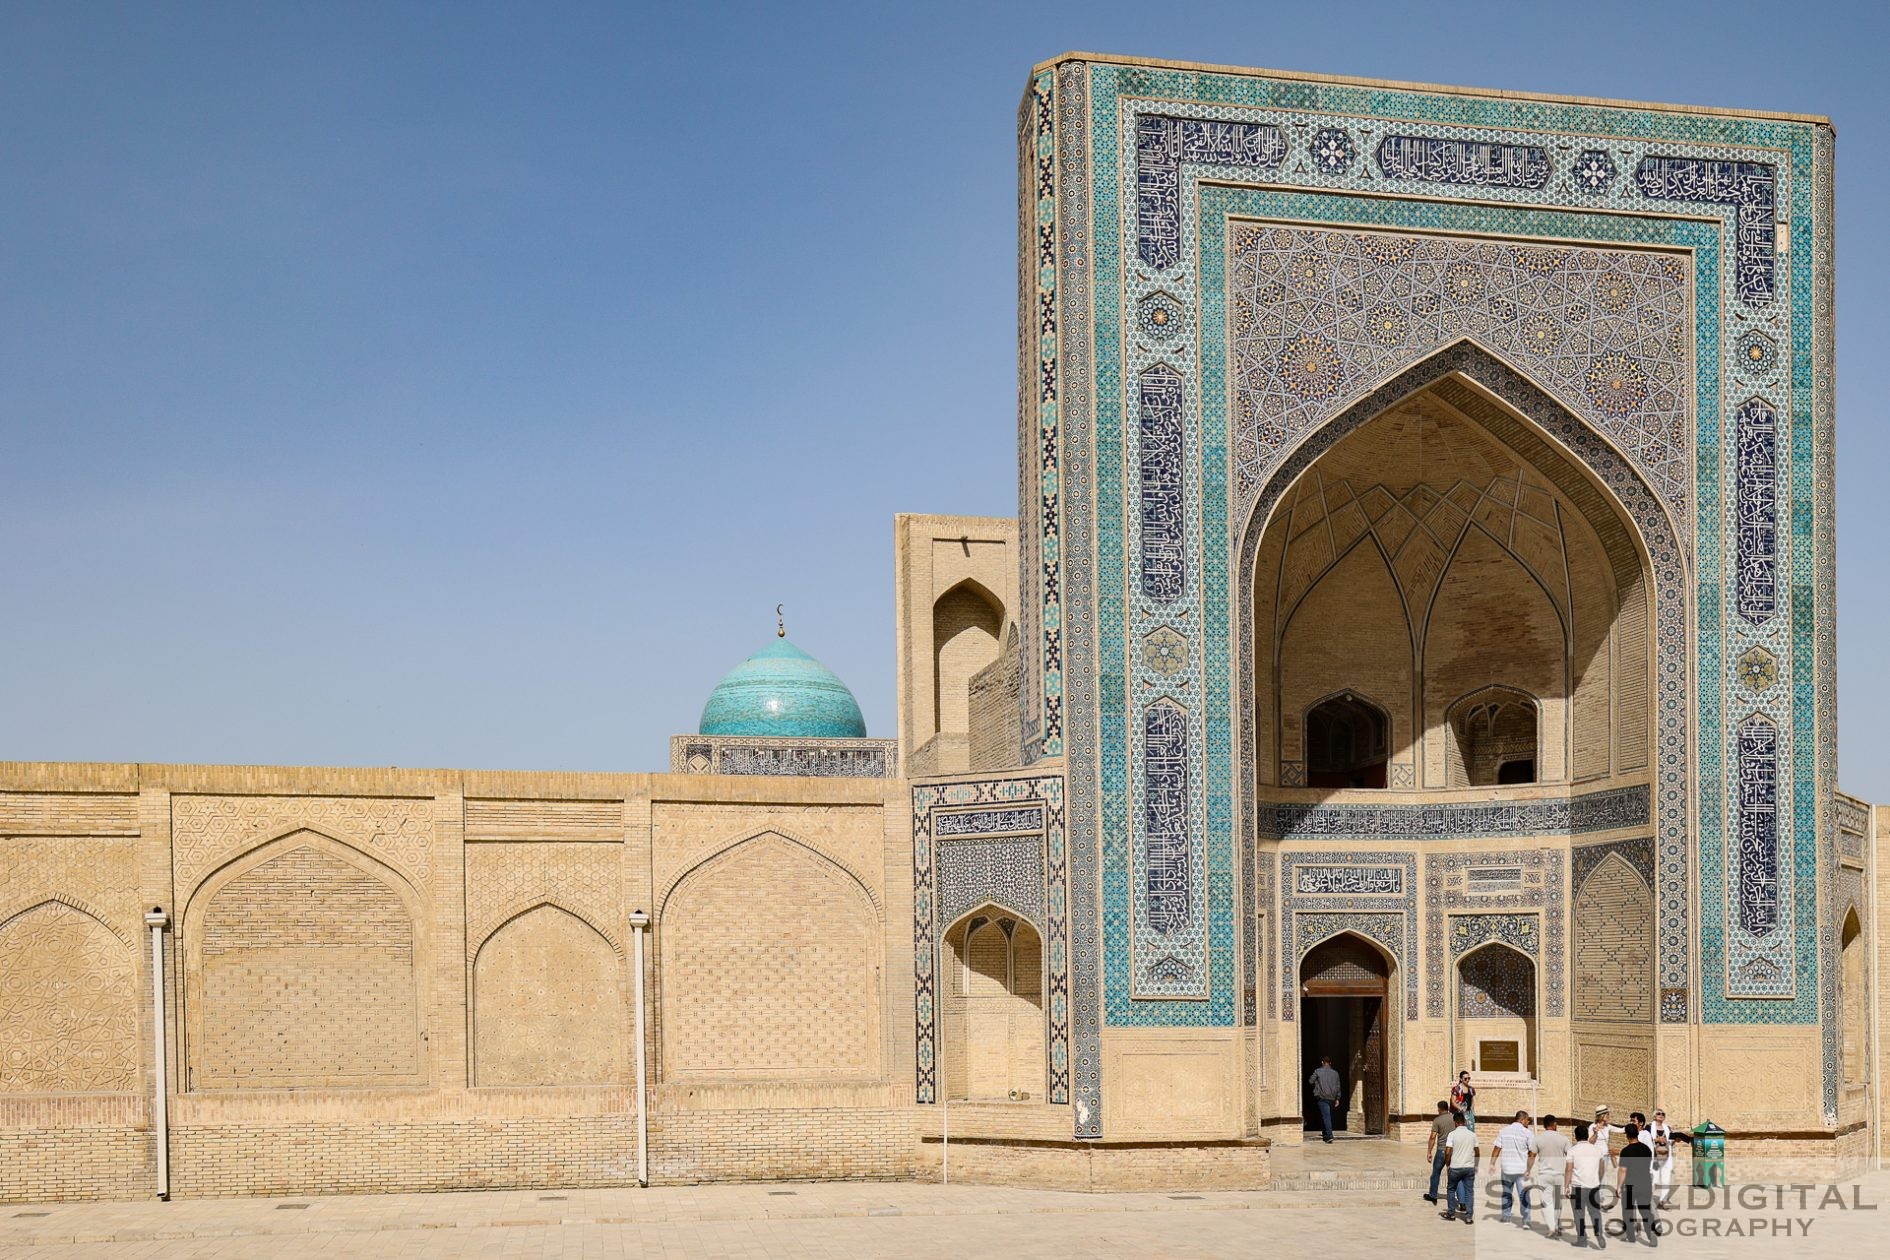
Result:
pixel 1344 995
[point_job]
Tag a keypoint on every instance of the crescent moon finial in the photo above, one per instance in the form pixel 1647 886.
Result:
pixel 780 623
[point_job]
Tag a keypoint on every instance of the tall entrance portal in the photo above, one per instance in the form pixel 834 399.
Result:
pixel 1345 987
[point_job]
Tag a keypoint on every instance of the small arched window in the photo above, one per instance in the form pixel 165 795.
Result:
pixel 1493 738
pixel 1348 741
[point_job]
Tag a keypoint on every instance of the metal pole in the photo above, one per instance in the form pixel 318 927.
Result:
pixel 157 920
pixel 1874 1044
pixel 639 923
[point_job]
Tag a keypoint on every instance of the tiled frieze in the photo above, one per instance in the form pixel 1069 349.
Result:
pixel 798 758
pixel 1577 815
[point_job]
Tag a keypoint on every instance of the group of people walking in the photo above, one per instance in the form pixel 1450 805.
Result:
pixel 1586 1171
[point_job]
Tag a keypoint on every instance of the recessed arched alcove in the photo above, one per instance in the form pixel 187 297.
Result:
pixel 1496 1011
pixel 993 1019
pixel 966 623
pixel 1444 558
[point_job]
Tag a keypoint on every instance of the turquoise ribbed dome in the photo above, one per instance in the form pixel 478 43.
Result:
pixel 782 691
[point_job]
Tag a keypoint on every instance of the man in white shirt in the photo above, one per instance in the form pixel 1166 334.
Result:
pixel 1586 1162
pixel 1462 1145
pixel 1513 1155
pixel 1551 1172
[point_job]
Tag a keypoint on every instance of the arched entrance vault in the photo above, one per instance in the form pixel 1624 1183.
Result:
pixel 1456 589
pixel 1437 552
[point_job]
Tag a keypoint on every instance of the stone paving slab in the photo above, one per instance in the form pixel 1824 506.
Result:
pixel 882 1219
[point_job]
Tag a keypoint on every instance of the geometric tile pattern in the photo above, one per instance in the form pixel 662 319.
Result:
pixel 1758 668
pixel 1318 316
pixel 1496 983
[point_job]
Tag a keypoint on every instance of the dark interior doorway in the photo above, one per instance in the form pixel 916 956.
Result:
pixel 1344 985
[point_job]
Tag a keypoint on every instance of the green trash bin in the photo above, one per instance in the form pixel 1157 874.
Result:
pixel 1709 1155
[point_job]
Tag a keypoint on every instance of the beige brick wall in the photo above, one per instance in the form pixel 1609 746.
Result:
pixel 996 738
pixel 1064 1165
pixel 955 580
pixel 75 1147
pixel 438 964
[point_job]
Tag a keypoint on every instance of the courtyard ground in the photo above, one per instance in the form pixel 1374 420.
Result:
pixel 848 1220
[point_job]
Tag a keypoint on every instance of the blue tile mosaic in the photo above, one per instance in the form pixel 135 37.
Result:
pixel 1760 189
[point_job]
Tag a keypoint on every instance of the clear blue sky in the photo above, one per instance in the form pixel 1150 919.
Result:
pixel 464 384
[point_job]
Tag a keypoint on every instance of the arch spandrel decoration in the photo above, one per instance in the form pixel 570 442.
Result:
pixel 1131 173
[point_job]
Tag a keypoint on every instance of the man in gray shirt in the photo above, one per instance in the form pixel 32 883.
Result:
pixel 1551 1171
pixel 1325 1091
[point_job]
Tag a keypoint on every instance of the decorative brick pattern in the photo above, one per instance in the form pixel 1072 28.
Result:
pixel 790 944
pixel 208 830
pixel 308 978
pixel 68 1004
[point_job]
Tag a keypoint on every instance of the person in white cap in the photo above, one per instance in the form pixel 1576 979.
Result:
pixel 1601 1131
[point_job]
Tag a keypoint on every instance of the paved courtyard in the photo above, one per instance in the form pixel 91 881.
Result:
pixel 868 1219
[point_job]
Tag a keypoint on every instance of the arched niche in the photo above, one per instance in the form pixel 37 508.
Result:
pixel 769 966
pixel 1512 542
pixel 1496 1010
pixel 1348 742
pixel 966 623
pixel 993 1013
pixel 548 1003
pixel 1494 739
pixel 302 968
pixel 1612 1004
pixel 1853 998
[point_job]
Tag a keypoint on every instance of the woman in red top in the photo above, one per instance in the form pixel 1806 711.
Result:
pixel 1463 1097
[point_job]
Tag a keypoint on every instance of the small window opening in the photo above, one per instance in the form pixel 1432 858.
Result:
pixel 1347 744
